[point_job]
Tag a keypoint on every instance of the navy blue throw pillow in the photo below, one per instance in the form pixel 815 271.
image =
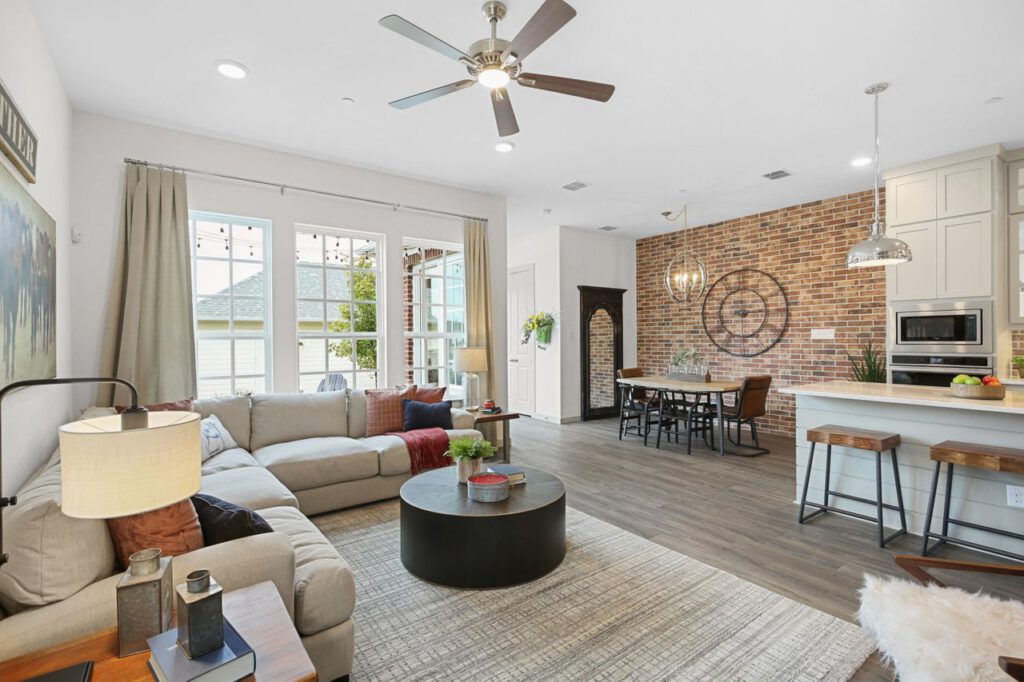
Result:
pixel 222 521
pixel 426 415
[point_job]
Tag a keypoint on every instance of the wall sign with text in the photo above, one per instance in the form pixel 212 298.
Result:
pixel 17 140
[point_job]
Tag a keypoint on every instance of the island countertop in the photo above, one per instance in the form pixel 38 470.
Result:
pixel 901 394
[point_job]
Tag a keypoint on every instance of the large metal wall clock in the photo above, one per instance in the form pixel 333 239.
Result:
pixel 745 312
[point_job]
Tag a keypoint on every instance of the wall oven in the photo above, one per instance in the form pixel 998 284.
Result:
pixel 936 370
pixel 942 327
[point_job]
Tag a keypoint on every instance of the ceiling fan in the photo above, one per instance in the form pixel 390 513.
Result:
pixel 494 62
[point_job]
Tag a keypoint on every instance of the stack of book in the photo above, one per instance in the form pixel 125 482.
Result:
pixel 514 473
pixel 490 410
pixel 229 663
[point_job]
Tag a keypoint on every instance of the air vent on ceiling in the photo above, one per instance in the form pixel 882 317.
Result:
pixel 575 186
pixel 608 228
pixel 777 174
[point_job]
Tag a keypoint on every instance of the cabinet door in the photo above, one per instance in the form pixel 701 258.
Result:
pixel 914 280
pixel 1016 283
pixel 1016 189
pixel 964 256
pixel 964 188
pixel 910 198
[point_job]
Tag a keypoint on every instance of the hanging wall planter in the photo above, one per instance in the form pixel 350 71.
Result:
pixel 540 324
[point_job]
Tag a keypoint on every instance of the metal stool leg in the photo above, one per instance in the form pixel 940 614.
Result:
pixel 828 471
pixel 899 490
pixel 949 496
pixel 878 491
pixel 931 508
pixel 807 484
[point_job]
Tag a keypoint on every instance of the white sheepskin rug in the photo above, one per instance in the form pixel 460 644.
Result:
pixel 940 634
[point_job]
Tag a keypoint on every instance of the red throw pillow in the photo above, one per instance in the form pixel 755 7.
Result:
pixel 429 395
pixel 384 409
pixel 174 529
pixel 177 406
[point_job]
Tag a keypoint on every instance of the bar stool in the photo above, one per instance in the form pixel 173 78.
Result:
pixel 993 458
pixel 860 439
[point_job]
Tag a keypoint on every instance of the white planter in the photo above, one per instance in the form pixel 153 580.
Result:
pixel 465 468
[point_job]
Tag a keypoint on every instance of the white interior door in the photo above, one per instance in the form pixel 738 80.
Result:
pixel 520 356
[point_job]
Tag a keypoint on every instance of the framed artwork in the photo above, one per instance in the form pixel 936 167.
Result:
pixel 28 285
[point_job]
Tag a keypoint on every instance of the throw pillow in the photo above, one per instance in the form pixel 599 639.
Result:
pixel 174 529
pixel 433 394
pixel 222 521
pixel 214 438
pixel 384 409
pixel 420 415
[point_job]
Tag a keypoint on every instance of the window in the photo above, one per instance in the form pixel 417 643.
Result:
pixel 434 290
pixel 230 293
pixel 338 288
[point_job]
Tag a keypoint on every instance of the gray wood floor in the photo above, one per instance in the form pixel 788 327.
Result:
pixel 734 513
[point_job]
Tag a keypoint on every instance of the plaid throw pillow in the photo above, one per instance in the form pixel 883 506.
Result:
pixel 384 409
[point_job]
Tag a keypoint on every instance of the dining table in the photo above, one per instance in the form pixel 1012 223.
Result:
pixel 663 385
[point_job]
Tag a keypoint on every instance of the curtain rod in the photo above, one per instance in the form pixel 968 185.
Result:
pixel 295 188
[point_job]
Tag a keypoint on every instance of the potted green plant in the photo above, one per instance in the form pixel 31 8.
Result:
pixel 469 454
pixel 869 367
pixel 1018 362
pixel 540 324
pixel 686 365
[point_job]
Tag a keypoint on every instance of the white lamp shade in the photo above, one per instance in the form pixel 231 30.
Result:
pixel 470 360
pixel 107 472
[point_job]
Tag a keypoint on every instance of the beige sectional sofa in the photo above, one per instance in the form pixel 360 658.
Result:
pixel 297 455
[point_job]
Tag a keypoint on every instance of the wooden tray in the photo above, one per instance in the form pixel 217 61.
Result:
pixel 980 392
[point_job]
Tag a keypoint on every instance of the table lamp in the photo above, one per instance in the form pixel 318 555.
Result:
pixel 469 361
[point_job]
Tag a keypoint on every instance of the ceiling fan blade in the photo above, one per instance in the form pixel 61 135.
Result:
pixel 552 15
pixel 426 96
pixel 503 113
pixel 414 32
pixel 601 92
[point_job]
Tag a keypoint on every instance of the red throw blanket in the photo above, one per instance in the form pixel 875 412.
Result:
pixel 426 448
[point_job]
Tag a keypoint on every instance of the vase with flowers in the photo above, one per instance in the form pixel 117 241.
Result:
pixel 541 325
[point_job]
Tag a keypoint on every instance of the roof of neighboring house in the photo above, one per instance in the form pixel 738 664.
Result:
pixel 309 285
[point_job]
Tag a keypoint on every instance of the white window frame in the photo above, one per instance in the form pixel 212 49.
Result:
pixel 454 389
pixel 325 233
pixel 231 335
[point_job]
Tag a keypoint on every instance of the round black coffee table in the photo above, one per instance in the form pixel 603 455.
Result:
pixel 451 540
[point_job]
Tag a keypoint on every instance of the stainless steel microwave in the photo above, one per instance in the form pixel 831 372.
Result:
pixel 941 327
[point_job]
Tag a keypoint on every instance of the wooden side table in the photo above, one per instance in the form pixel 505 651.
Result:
pixel 506 441
pixel 256 612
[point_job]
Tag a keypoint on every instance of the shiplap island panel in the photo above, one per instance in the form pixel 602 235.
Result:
pixel 923 416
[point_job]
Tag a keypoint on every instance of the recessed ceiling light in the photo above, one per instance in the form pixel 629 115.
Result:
pixel 348 101
pixel 993 100
pixel 860 162
pixel 504 146
pixel 231 69
pixel 547 211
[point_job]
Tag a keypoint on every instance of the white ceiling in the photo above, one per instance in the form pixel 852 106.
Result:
pixel 709 95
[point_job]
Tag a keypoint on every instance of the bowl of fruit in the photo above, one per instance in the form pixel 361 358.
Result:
pixel 978 388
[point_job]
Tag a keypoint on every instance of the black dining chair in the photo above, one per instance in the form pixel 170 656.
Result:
pixel 637 403
pixel 682 414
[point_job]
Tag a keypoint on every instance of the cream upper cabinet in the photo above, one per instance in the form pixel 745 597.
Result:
pixel 964 256
pixel 916 279
pixel 910 198
pixel 964 188
pixel 1016 188
pixel 1016 282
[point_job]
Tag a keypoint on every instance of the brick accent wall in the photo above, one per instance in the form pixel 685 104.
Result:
pixel 804 247
pixel 602 360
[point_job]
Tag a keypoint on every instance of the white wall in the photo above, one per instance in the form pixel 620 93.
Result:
pixel 98 176
pixel 593 259
pixel 31 416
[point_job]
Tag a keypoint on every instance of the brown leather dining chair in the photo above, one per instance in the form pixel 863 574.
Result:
pixel 750 404
pixel 636 404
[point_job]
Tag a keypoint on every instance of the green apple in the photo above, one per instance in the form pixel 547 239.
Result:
pixel 973 381
pixel 961 379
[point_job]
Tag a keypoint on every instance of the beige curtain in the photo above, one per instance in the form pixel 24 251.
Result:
pixel 478 298
pixel 149 338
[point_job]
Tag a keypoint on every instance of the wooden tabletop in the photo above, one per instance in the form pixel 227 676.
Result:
pixel 256 612
pixel 663 383
pixel 482 418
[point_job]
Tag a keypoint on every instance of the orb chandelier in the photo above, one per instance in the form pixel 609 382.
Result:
pixel 686 277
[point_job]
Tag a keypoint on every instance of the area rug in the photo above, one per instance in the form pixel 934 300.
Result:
pixel 618 608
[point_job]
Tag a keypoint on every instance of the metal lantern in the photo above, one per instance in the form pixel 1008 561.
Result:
pixel 686 278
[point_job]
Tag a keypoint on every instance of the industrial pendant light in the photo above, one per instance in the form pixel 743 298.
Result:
pixel 877 249
pixel 686 277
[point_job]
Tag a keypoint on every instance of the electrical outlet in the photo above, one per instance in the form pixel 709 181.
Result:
pixel 1015 496
pixel 823 334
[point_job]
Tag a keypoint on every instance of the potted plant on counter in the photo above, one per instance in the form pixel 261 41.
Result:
pixel 469 454
pixel 869 367
pixel 1018 362
pixel 540 324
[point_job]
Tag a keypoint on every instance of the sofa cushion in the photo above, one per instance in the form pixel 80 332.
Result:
pixel 357 413
pixel 426 415
pixel 428 394
pixel 461 419
pixel 229 459
pixel 325 592
pixel 233 412
pixel 214 437
pixel 315 462
pixel 173 529
pixel 384 409
pixel 252 487
pixel 52 556
pixel 285 417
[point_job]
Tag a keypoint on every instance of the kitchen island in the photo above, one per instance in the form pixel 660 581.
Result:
pixel 923 416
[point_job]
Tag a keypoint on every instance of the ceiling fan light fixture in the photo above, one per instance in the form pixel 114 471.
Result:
pixel 493 77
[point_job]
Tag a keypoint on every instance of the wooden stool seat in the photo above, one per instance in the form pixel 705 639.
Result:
pixel 990 457
pixel 956 453
pixel 845 436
